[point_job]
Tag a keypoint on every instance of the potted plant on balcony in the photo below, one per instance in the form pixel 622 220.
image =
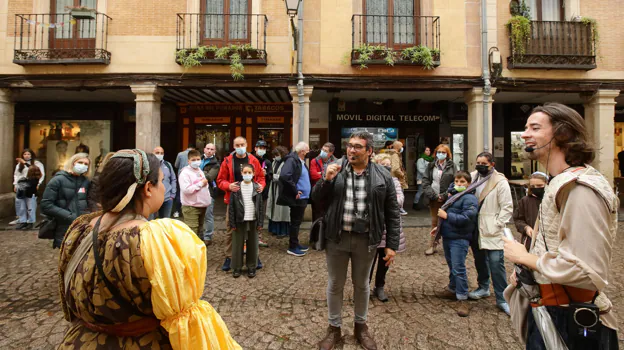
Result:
pixel 418 55
pixel 81 12
pixel 232 53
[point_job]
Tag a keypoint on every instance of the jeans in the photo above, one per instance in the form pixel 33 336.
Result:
pixel 209 221
pixel 455 251
pixel 296 217
pixel 164 211
pixel 26 210
pixel 490 262
pixel 419 193
pixel 354 247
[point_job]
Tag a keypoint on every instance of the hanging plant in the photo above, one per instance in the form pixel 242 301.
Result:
pixel 366 52
pixel 520 8
pixel 421 55
pixel 594 30
pixel 234 53
pixel 520 32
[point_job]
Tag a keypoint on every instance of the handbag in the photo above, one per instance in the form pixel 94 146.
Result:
pixel 47 227
pixel 317 235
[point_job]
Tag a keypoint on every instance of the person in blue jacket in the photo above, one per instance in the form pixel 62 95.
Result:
pixel 458 222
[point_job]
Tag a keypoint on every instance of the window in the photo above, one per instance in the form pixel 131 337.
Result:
pixel 83 29
pixel 400 30
pixel 546 10
pixel 226 21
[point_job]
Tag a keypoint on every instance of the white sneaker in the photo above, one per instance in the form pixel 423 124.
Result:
pixel 14 222
pixel 176 215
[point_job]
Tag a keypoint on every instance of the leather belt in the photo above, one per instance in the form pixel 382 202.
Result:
pixel 555 295
pixel 129 329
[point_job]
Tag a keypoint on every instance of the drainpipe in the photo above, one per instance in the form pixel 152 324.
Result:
pixel 300 93
pixel 486 77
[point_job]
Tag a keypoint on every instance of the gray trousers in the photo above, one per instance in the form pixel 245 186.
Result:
pixel 352 247
pixel 246 231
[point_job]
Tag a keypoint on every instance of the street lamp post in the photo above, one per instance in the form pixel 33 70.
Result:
pixel 295 8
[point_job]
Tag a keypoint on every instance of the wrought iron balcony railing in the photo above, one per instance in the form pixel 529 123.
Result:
pixel 51 38
pixel 220 36
pixel 383 39
pixel 556 45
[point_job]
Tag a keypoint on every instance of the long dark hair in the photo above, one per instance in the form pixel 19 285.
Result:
pixel 22 166
pixel 118 175
pixel 569 132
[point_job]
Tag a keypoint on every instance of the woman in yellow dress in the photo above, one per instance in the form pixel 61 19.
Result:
pixel 142 288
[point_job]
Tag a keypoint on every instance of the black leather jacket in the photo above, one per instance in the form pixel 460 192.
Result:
pixel 237 208
pixel 383 207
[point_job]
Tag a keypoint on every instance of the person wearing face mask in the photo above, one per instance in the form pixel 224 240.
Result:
pixel 317 167
pixel 495 209
pixel 267 171
pixel 229 179
pixel 439 175
pixel 24 206
pixel 195 195
pixel 246 213
pixel 525 214
pixel 210 165
pixel 171 183
pixel 66 195
pixel 180 162
pixel 278 215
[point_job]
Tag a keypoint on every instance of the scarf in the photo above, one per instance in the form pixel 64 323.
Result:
pixel 473 186
pixel 426 157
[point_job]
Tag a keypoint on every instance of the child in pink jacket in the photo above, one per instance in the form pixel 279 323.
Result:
pixel 195 195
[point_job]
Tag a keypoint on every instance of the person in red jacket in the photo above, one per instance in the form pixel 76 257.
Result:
pixel 228 180
pixel 317 167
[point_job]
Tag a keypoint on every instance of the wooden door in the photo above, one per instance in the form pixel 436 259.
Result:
pixel 75 38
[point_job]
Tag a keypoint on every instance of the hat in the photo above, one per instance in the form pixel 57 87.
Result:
pixel 261 143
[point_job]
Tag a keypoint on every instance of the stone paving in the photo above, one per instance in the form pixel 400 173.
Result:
pixel 284 307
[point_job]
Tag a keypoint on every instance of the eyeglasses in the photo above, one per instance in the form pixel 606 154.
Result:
pixel 355 147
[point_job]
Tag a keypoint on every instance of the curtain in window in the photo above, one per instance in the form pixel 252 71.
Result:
pixel 376 21
pixel 213 20
pixel 62 15
pixel 87 27
pixel 532 4
pixel 551 10
pixel 404 22
pixel 238 19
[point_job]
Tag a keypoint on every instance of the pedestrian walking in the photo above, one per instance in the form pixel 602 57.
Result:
pixel 421 167
pixel 171 185
pixel 195 195
pixel 66 195
pixel 26 208
pixel 130 283
pixel 210 165
pixel 439 175
pixel 295 193
pixel 278 215
pixel 355 218
pixel 317 167
pixel 26 195
pixel 229 179
pixel 525 214
pixel 380 275
pixel 246 213
pixel 570 257
pixel 458 220
pixel 495 209
pixel 267 171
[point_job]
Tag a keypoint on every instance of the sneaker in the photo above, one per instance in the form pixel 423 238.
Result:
pixel 402 211
pixel 478 294
pixel 445 293
pixel 176 215
pixel 303 248
pixel 251 273
pixel 226 264
pixel 14 222
pixel 259 266
pixel 237 273
pixel 208 239
pixel 262 244
pixel 380 294
pixel 463 309
pixel 21 226
pixel 28 226
pixel 295 252
pixel 505 307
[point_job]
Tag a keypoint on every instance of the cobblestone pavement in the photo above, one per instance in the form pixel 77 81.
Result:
pixel 284 307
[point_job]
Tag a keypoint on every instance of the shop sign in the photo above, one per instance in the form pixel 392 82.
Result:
pixel 270 119
pixel 410 118
pixel 236 108
pixel 266 108
pixel 212 120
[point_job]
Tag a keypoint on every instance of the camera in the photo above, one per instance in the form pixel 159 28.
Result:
pixel 360 225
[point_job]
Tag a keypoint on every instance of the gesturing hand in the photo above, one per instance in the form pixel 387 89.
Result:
pixel 332 171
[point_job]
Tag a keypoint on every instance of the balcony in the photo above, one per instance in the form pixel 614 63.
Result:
pixel 228 39
pixel 395 40
pixel 556 45
pixel 61 39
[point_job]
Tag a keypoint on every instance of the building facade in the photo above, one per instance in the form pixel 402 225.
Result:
pixel 113 74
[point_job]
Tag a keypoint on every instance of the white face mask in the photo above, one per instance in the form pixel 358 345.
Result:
pixel 160 157
pixel 261 152
pixel 277 158
pixel 195 164
pixel 80 169
pixel 247 177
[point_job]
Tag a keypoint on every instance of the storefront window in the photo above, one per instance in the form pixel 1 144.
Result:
pixel 380 136
pixel 54 142
pixel 520 163
pixel 215 134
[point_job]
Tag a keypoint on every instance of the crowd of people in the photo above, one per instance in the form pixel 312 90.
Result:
pixel 567 225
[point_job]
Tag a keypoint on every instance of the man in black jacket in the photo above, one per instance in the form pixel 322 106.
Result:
pixel 210 165
pixel 361 203
pixel 294 182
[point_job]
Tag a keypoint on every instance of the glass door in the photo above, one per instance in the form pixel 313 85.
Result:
pixel 217 135
pixel 73 35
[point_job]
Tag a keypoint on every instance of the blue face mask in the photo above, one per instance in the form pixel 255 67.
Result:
pixel 277 158
pixel 401 151
pixel 241 150
pixel 247 177
pixel 441 156
pixel 324 155
pixel 80 169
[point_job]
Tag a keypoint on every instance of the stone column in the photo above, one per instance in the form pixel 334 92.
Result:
pixel 599 119
pixel 474 100
pixel 7 158
pixel 307 92
pixel 147 116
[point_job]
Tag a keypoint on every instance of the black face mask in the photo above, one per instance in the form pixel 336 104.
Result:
pixel 482 169
pixel 389 168
pixel 538 192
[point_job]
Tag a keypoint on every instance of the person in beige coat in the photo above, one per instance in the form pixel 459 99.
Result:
pixel 495 209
